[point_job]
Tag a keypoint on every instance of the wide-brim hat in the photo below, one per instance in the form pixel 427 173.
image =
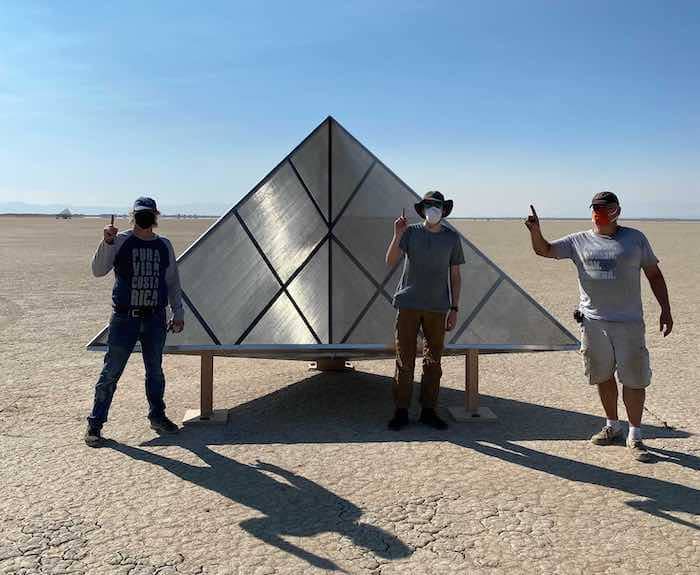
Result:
pixel 434 197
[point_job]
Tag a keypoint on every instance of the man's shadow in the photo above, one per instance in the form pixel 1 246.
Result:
pixel 296 506
pixel 353 408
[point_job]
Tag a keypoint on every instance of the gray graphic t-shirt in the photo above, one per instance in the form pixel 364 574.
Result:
pixel 424 284
pixel 608 271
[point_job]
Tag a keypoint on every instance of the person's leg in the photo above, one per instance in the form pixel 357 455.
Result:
pixel 123 333
pixel 434 342
pixel 406 336
pixel 634 371
pixel 608 398
pixel 634 403
pixel 599 361
pixel 152 338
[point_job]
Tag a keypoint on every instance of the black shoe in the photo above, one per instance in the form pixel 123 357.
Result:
pixel 430 418
pixel 93 436
pixel 400 420
pixel 163 425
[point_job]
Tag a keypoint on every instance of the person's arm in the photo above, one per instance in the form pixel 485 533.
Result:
pixel 172 280
pixel 455 290
pixel 540 246
pixel 395 251
pixel 103 260
pixel 657 282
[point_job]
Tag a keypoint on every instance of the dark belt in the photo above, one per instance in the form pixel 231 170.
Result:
pixel 138 312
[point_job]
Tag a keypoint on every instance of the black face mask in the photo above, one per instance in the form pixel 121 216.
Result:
pixel 144 219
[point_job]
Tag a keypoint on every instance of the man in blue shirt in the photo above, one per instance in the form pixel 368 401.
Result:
pixel 146 280
pixel 608 259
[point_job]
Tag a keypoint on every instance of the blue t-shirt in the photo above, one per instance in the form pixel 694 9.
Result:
pixel 608 271
pixel 145 272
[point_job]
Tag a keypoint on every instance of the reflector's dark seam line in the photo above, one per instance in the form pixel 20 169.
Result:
pixel 257 319
pixel 354 193
pixel 308 192
pixel 196 314
pixel 277 277
pixel 330 218
pixel 357 262
pixel 369 305
pixel 476 310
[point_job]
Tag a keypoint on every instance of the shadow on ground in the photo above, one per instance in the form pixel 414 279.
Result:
pixel 293 507
pixel 354 407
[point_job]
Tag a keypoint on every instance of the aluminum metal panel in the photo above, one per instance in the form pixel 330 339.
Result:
pixel 351 290
pixel 280 325
pixel 310 291
pixel 283 221
pixel 349 164
pixel 227 280
pixel 311 161
pixel 377 325
pixel 510 318
pixel 193 334
pixel 367 225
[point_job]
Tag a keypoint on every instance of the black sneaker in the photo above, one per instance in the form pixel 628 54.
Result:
pixel 400 420
pixel 93 436
pixel 430 418
pixel 163 425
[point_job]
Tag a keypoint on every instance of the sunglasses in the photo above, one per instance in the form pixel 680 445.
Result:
pixel 432 204
pixel 604 208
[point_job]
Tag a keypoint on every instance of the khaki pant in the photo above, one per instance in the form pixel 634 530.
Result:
pixel 408 322
pixel 609 346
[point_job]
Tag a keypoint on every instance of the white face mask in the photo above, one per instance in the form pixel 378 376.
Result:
pixel 433 215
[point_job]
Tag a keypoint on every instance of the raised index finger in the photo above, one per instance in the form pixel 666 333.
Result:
pixel 111 223
pixel 532 209
pixel 403 212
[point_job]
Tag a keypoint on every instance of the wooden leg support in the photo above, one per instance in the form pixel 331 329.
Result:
pixel 471 411
pixel 206 412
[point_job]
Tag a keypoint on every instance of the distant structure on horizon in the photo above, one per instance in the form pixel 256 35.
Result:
pixel 64 215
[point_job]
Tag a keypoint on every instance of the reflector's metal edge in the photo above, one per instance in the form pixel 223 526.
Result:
pixel 93 342
pixel 340 348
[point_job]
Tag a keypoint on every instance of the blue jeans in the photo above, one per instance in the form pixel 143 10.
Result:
pixel 124 332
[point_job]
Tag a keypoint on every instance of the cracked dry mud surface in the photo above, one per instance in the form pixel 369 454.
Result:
pixel 305 478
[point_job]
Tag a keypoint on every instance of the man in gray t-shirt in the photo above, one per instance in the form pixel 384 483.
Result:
pixel 608 259
pixel 426 299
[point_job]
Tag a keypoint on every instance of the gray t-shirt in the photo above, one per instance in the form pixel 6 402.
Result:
pixel 424 283
pixel 608 271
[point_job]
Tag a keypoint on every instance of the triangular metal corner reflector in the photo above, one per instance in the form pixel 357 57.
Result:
pixel 296 268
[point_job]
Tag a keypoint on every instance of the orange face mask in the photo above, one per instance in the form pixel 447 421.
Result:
pixel 605 216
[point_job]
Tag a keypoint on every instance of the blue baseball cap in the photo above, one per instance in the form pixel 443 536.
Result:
pixel 144 203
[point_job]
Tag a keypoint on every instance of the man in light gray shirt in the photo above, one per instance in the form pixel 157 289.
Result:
pixel 608 259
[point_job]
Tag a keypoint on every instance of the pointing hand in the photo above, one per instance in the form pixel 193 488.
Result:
pixel 533 221
pixel 400 224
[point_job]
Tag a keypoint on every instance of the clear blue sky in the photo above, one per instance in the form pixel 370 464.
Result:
pixel 498 104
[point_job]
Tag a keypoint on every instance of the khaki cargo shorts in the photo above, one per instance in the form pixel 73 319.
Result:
pixel 608 346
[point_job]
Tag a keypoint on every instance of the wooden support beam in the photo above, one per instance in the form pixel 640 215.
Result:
pixel 206 400
pixel 472 410
pixel 206 414
pixel 471 381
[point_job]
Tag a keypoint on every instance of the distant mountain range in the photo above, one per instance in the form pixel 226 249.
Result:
pixel 200 209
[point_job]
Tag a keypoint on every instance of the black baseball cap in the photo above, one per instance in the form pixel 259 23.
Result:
pixel 144 203
pixel 604 199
